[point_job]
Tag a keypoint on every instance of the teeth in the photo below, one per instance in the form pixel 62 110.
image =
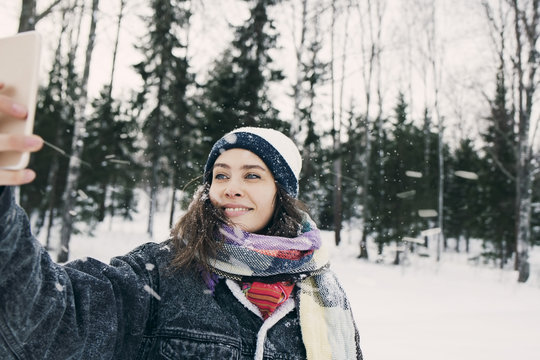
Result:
pixel 236 209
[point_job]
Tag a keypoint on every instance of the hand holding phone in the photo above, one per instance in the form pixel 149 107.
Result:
pixel 19 67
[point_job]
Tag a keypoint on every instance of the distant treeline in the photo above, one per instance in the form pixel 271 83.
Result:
pixel 396 176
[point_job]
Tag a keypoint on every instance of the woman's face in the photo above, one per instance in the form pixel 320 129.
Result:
pixel 244 188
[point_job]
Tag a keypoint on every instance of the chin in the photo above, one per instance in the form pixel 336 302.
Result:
pixel 249 229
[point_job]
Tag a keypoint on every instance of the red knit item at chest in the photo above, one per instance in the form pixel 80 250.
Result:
pixel 267 297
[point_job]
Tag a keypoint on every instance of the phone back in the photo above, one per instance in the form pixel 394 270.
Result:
pixel 19 69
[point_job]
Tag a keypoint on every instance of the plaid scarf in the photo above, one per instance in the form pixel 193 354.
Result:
pixel 326 321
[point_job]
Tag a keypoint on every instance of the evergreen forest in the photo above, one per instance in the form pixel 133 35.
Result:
pixel 391 144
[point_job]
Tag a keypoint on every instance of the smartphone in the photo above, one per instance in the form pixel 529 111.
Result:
pixel 20 57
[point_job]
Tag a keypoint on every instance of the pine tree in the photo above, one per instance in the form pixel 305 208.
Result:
pixel 353 170
pixel 430 173
pixel 465 200
pixel 378 200
pixel 164 71
pixel 312 74
pixel 427 194
pixel 111 170
pixel 324 204
pixel 498 179
pixel 56 105
pixel 405 158
pixel 236 93
pixel 396 181
pixel 310 184
pixel 76 146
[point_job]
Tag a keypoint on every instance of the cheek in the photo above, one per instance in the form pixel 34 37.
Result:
pixel 270 200
pixel 212 194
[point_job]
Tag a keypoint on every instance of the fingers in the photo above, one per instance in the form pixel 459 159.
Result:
pixel 16 177
pixel 8 106
pixel 20 143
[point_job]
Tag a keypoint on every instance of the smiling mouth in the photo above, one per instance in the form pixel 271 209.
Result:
pixel 236 211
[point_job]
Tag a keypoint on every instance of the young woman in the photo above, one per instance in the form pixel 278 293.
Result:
pixel 244 274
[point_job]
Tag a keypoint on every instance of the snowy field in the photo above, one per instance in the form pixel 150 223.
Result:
pixel 422 311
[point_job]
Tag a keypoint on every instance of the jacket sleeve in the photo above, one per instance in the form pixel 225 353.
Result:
pixel 83 310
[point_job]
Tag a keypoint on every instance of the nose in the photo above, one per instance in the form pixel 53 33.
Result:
pixel 233 189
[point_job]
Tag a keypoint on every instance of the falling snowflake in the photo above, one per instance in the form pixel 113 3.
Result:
pixel 413 174
pixel 82 194
pixel 151 291
pixel 427 213
pixel 466 175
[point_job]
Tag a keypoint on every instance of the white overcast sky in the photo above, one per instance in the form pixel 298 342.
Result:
pixel 465 51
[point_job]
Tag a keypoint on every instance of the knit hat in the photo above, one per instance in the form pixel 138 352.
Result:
pixel 277 151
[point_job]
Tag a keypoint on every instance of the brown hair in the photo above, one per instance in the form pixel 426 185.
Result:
pixel 193 236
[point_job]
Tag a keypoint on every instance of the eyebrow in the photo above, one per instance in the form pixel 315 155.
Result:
pixel 244 167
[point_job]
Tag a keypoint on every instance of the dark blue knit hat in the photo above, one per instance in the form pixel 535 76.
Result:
pixel 275 149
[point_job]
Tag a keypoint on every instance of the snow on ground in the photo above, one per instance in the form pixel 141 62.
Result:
pixel 441 311
pixel 425 310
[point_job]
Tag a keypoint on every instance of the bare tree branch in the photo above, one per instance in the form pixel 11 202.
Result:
pixel 48 10
pixel 500 166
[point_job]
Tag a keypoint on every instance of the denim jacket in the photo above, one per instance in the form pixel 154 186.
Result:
pixel 133 308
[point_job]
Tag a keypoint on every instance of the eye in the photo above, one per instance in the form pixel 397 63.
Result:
pixel 252 176
pixel 220 176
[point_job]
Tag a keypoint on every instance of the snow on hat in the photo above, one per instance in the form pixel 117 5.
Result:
pixel 277 151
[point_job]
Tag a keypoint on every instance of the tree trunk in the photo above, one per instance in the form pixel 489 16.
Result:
pixel 77 145
pixel 174 184
pixel 370 52
pixel 338 201
pixel 102 202
pixel 434 58
pixel 339 164
pixel 336 135
pixel 27 19
pixel 50 223
pixel 52 177
pixel 441 185
pixel 524 200
pixel 297 87
pixel 115 51
pixel 155 163
pixel 154 180
pixel 52 180
pixel 363 253
pixel 110 187
pixel 527 32
pixel 173 207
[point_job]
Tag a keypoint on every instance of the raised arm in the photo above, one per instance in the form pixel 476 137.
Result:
pixel 81 310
